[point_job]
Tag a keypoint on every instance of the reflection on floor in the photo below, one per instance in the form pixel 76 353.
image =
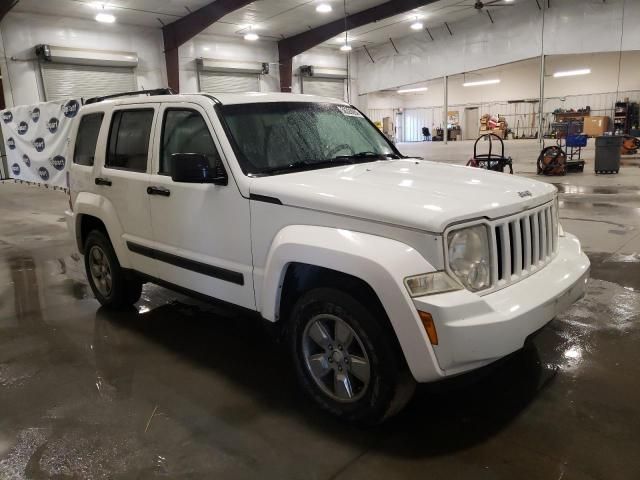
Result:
pixel 175 388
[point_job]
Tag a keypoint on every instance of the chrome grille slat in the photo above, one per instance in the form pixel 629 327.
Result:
pixel 550 230
pixel 528 249
pixel 536 239
pixel 506 251
pixel 522 244
pixel 516 238
pixel 544 252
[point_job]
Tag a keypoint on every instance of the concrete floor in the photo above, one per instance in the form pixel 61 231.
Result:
pixel 178 389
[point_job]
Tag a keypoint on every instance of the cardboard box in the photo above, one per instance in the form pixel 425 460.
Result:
pixel 596 126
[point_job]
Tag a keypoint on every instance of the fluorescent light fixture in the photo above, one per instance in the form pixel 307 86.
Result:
pixel 346 47
pixel 105 18
pixel 251 36
pixel 417 26
pixel 481 82
pixel 413 90
pixel 572 73
pixel 324 8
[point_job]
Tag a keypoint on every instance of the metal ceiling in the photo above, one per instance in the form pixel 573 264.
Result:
pixel 271 19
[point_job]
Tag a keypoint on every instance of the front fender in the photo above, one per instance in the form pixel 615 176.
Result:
pixel 381 262
pixel 87 203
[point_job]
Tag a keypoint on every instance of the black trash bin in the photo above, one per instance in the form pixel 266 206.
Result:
pixel 608 151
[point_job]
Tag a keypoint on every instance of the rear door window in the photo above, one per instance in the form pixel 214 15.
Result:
pixel 129 140
pixel 87 139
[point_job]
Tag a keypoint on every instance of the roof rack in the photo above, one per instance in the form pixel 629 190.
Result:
pixel 150 93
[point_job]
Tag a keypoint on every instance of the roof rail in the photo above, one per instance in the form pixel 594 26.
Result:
pixel 151 93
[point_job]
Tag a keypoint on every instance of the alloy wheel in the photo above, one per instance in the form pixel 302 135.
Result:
pixel 335 358
pixel 100 270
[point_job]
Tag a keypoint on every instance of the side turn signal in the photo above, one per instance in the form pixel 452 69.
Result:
pixel 429 327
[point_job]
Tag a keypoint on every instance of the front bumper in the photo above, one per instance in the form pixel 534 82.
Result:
pixel 475 330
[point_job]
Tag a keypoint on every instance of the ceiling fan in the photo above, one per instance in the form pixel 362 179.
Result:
pixel 481 6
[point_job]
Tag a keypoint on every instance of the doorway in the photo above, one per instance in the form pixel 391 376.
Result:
pixel 471 123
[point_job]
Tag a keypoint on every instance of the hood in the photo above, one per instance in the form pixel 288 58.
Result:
pixel 410 193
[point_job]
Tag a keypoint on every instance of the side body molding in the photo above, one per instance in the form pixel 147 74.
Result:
pixel 380 262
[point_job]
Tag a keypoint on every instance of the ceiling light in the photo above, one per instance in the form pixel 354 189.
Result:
pixel 323 8
pixel 481 82
pixel 251 36
pixel 411 90
pixel 417 26
pixel 346 47
pixel 105 18
pixel 572 73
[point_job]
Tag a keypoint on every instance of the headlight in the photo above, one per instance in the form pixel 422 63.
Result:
pixel 469 257
pixel 430 284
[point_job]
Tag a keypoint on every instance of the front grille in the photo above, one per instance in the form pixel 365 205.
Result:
pixel 523 244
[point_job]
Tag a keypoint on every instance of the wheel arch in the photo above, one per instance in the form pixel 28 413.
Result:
pixel 301 255
pixel 96 212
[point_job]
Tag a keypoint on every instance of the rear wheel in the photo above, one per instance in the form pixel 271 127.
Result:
pixel 113 287
pixel 345 359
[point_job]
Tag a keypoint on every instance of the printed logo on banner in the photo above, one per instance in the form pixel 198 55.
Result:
pixel 58 162
pixel 71 108
pixel 7 117
pixel 26 160
pixel 11 143
pixel 39 144
pixel 44 173
pixel 53 124
pixel 23 127
pixel 35 115
pixel 15 168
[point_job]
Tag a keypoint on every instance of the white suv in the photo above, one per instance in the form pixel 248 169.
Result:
pixel 383 270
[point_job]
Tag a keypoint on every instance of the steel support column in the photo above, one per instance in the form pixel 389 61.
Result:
pixel 445 112
pixel 184 29
pixel 297 44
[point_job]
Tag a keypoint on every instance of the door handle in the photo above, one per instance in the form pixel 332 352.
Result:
pixel 103 181
pixel 159 191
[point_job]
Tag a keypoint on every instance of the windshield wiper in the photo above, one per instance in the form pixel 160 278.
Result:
pixel 307 165
pixel 369 155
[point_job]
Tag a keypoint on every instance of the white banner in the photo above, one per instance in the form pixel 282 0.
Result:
pixel 35 138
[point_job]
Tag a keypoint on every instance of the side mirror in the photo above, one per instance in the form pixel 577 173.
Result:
pixel 195 168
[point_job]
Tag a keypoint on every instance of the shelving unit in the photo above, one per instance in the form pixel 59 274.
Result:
pixel 626 117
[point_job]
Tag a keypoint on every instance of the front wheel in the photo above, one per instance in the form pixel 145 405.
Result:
pixel 345 358
pixel 113 287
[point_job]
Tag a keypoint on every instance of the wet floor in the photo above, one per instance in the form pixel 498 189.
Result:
pixel 179 389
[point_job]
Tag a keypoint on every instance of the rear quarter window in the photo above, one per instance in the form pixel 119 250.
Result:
pixel 87 139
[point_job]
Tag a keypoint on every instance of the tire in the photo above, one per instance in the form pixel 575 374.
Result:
pixel 113 287
pixel 381 384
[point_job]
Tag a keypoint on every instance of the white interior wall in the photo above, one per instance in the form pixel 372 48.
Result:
pixel 21 32
pixel 571 26
pixel 520 81
pixel 225 48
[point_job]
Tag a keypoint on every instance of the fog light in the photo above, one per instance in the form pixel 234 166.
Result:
pixel 429 327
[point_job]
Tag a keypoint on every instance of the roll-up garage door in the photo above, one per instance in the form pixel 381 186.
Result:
pixel 224 82
pixel 63 81
pixel 324 87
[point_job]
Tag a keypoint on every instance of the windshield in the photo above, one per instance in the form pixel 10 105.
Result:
pixel 282 137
